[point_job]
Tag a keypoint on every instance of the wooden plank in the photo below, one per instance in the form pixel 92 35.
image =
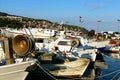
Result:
pixel 8 51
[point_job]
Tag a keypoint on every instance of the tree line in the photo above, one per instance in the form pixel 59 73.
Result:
pixel 10 23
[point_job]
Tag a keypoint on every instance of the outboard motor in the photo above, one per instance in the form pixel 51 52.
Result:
pixel 23 45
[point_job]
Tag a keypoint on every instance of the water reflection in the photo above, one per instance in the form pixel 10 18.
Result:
pixel 113 55
pixel 113 71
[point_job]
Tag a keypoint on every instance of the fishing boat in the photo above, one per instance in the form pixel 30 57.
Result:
pixel 36 32
pixel 13 71
pixel 112 47
pixel 71 68
pixel 56 67
pixel 70 47
pixel 109 49
pixel 62 61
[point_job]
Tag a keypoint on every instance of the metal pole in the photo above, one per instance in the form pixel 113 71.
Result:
pixel 98 25
pixel 80 21
pixel 118 25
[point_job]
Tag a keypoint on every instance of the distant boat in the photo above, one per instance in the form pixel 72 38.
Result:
pixel 109 49
pixel 112 52
pixel 35 32
pixel 115 56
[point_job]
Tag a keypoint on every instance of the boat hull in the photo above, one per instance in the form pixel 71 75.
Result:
pixel 108 50
pixel 69 68
pixel 14 71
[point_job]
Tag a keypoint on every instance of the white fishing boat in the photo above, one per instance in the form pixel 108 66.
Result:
pixel 109 49
pixel 76 48
pixel 98 44
pixel 62 62
pixel 13 69
pixel 68 47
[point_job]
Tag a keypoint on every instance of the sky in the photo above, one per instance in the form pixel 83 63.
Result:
pixel 107 12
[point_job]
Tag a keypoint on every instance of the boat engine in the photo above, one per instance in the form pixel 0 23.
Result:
pixel 23 45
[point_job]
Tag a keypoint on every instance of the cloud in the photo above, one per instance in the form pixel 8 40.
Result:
pixel 92 6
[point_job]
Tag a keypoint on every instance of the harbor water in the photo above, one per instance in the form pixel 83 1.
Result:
pixel 113 70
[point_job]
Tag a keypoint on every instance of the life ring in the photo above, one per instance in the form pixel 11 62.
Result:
pixel 75 43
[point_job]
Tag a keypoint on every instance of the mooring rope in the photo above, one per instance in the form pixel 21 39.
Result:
pixel 112 72
pixel 46 71
pixel 108 74
pixel 115 76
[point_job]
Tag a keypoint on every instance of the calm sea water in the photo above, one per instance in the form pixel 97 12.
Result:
pixel 113 70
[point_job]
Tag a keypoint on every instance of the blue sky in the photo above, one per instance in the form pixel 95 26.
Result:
pixel 108 11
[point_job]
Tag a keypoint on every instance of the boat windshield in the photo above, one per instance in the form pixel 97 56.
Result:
pixel 67 43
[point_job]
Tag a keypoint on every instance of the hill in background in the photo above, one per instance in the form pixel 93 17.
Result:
pixel 14 21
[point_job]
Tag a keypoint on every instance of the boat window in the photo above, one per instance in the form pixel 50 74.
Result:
pixel 67 43
pixel 39 40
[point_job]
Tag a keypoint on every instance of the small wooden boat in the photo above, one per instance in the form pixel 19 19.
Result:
pixel 73 68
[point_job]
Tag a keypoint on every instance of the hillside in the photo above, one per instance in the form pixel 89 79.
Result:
pixel 15 21
pixel 3 14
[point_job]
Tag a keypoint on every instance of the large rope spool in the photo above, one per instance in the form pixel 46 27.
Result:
pixel 75 43
pixel 22 45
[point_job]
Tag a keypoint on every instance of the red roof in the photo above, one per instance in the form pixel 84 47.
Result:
pixel 40 27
